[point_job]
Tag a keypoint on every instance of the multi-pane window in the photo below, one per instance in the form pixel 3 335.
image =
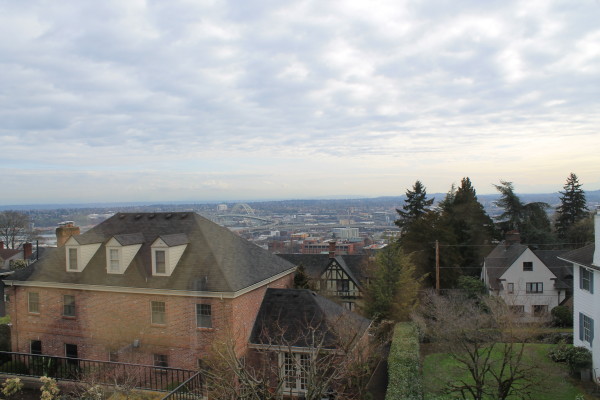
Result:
pixel 73 259
pixel 113 262
pixel 35 347
pixel 343 285
pixel 510 287
pixel 68 305
pixel 539 310
pixel 534 287
pixel 71 352
pixel 586 279
pixel 33 302
pixel 527 266
pixel 161 360
pixel 586 328
pixel 159 259
pixel 158 312
pixel 294 368
pixel 203 316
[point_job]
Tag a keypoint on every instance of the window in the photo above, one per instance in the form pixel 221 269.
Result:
pixel 35 347
pixel 348 305
pixel 34 302
pixel 343 285
pixel 71 352
pixel 534 287
pixel 586 328
pixel 203 316
pixel 68 305
pixel 586 279
pixel 159 256
pixel 158 312
pixel 294 368
pixel 113 262
pixel 527 266
pixel 510 287
pixel 73 259
pixel 517 310
pixel 539 310
pixel 161 361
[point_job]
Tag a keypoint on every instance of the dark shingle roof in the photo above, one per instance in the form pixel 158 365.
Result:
pixel 215 259
pixel 560 268
pixel 289 316
pixel 500 259
pixel 130 239
pixel 582 256
pixel 8 253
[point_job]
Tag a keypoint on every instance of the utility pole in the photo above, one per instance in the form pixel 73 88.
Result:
pixel 437 267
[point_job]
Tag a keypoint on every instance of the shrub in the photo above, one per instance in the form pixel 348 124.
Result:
pixel 578 358
pixel 403 364
pixel 562 316
pixel 14 367
pixel 560 352
pixel 11 387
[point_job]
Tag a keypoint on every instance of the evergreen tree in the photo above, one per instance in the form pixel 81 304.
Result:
pixel 472 228
pixel 393 291
pixel 530 219
pixel 572 207
pixel 415 205
pixel 301 278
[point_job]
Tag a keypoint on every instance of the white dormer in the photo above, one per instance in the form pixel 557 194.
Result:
pixel 79 255
pixel 120 251
pixel 166 253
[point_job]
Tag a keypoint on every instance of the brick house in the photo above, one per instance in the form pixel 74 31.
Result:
pixel 150 288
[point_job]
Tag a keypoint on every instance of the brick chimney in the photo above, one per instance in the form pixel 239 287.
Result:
pixel 332 249
pixel 512 237
pixel 27 250
pixel 64 231
pixel 596 260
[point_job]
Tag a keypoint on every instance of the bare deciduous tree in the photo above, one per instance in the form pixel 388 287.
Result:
pixel 486 339
pixel 14 228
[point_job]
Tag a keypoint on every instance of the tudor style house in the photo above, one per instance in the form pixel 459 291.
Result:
pixel 149 288
pixel 340 277
pixel 586 298
pixel 531 281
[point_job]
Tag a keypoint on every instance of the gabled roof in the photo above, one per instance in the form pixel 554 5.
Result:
pixel 315 264
pixel 500 259
pixel 561 269
pixel 129 239
pixel 215 260
pixel 289 317
pixel 582 256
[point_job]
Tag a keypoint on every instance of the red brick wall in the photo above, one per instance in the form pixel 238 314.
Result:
pixel 108 321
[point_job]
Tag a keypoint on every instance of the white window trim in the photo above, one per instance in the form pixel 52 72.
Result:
pixel 119 269
pixel 299 375
pixel 78 266
pixel 167 266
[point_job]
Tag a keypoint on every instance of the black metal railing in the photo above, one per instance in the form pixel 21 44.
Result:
pixel 135 376
pixel 192 389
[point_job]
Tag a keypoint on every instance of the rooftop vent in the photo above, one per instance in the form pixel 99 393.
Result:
pixel 168 216
pixel 151 216
pixel 138 216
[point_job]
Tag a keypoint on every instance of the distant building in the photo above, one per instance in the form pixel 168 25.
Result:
pixel 346 233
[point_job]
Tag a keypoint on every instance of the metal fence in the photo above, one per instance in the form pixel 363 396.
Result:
pixel 135 376
pixel 192 389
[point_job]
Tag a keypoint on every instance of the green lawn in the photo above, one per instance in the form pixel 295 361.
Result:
pixel 552 379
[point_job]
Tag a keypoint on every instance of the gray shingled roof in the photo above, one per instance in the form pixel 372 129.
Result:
pixel 286 316
pixel 582 256
pixel 500 259
pixel 560 268
pixel 215 259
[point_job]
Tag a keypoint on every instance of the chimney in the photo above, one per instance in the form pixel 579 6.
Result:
pixel 27 250
pixel 332 249
pixel 1 245
pixel 64 231
pixel 596 260
pixel 512 237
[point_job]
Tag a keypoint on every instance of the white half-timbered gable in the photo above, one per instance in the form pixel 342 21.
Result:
pixel 79 255
pixel 337 282
pixel 166 252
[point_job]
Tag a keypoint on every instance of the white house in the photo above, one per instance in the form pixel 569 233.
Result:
pixel 531 281
pixel 586 298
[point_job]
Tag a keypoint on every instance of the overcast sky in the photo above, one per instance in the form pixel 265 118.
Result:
pixel 215 100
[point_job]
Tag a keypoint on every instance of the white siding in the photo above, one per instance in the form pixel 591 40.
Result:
pixel 174 255
pixel 588 304
pixel 514 274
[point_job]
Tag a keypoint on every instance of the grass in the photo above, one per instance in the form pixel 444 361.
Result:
pixel 552 379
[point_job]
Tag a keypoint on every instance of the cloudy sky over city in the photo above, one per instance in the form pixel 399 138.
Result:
pixel 239 100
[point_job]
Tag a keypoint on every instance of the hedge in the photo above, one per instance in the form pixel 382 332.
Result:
pixel 404 377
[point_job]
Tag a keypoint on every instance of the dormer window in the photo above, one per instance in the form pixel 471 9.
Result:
pixel 120 251
pixel 72 263
pixel 166 253
pixel 78 255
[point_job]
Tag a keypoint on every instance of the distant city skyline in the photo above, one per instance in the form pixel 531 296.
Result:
pixel 224 101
